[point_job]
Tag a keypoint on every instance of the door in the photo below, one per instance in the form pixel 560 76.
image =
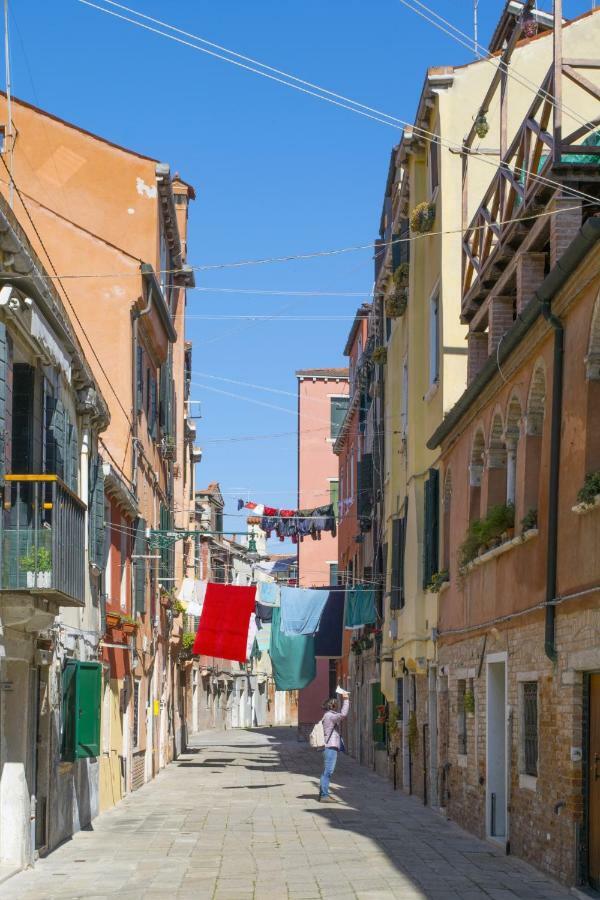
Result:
pixel 496 750
pixel 594 783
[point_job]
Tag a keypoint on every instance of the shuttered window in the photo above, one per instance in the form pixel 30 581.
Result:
pixel 81 702
pixel 339 406
pixel 334 497
pixel 431 535
pixel 96 513
pixel 22 419
pixel 401 245
pixel 139 568
pixel 398 553
pixel 364 485
pixel 139 378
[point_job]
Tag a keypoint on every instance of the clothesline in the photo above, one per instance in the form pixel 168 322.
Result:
pixel 293 625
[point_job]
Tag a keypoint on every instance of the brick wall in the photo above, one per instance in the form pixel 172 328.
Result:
pixel 546 814
pixel 500 319
pixel 477 353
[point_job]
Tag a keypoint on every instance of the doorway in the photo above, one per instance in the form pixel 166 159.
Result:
pixel 593 783
pixel 496 811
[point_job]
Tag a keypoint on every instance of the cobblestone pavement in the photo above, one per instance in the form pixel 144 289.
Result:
pixel 237 818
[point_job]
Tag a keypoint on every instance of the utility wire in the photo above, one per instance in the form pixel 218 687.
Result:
pixel 357 107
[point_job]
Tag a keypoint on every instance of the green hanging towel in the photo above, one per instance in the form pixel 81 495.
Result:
pixel 292 657
pixel 360 607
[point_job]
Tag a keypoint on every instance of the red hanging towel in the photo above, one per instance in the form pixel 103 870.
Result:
pixel 223 628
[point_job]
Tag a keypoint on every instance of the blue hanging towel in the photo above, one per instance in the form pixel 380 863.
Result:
pixel 301 610
pixel 267 593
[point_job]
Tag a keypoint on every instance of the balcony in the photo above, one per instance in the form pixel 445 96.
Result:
pixel 43 539
pixel 536 165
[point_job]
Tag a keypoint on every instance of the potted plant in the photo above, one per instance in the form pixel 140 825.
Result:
pixel 481 125
pixel 380 356
pixel 422 217
pixel 590 490
pixel 469 702
pixel 187 644
pixel 356 647
pixel 128 624
pixel 112 619
pixel 529 520
pixel 437 580
pixel 37 563
pixel 178 607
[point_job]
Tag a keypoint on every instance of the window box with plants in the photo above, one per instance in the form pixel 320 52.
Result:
pixel 37 564
pixel 187 645
pixel 486 534
pixel 112 619
pixel 178 608
pixel 128 624
pixel 589 496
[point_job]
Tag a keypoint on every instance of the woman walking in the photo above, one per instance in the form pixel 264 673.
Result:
pixel 333 742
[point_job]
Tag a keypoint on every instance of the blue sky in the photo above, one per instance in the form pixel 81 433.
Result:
pixel 276 173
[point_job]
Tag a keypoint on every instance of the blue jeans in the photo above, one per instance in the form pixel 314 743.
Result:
pixel 329 760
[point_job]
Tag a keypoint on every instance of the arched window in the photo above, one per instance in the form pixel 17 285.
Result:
pixel 475 474
pixel 512 434
pixel 534 427
pixel 447 501
pixel 592 367
pixel 496 464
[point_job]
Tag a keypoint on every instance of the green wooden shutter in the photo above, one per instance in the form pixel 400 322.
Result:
pixel 71 477
pixel 154 410
pixel 430 548
pixel 81 683
pixel 139 568
pixel 139 378
pixel 4 383
pixel 398 554
pixel 22 419
pixel 377 699
pixel 57 429
pixel 89 682
pixel 97 528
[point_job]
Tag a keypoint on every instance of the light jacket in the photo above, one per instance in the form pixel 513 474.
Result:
pixel 331 720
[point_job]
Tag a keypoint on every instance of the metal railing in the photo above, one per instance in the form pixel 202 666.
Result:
pixel 43 538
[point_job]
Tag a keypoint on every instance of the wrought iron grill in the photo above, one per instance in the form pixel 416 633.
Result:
pixel 530 726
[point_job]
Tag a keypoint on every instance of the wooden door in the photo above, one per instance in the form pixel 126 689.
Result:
pixel 594 783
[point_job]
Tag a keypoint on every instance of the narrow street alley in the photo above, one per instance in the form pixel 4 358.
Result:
pixel 237 817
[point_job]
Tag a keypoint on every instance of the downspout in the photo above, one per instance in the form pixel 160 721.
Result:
pixel 136 314
pixel 553 480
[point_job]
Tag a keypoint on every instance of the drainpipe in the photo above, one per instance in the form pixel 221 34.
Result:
pixel 136 314
pixel 555 434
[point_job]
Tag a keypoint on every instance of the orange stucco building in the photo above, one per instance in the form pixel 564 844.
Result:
pixel 110 226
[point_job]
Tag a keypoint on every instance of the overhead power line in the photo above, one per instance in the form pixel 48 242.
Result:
pixel 322 94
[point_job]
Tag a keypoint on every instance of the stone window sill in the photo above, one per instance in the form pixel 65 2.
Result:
pixel 528 782
pixel 582 508
pixel 433 389
pixel 503 548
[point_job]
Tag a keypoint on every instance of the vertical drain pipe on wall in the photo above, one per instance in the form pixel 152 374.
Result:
pixel 553 480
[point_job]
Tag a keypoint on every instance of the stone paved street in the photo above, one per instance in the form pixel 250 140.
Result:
pixel 237 818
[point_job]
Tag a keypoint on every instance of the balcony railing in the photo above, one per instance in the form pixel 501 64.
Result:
pixel 43 539
pixel 527 177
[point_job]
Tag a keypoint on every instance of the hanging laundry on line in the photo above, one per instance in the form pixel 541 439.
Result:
pixel 292 657
pixel 301 610
pixel 225 622
pixel 360 607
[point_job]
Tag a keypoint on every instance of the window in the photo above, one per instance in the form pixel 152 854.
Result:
pixel 400 698
pixel 536 405
pixel 447 520
pixel 80 710
pixel 398 551
pixel 461 716
pixel 333 573
pixel 332 677
pixel 106 710
pixel 529 697
pixel 475 473
pixel 339 406
pixel 23 419
pixel 136 714
pixel 431 528
pixel 434 339
pixel 496 464
pixel 404 408
pixel 592 367
pixel 123 565
pixel 334 496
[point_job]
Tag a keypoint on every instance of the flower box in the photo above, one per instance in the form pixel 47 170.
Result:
pixel 112 619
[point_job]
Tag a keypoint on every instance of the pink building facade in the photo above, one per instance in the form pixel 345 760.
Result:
pixel 322 405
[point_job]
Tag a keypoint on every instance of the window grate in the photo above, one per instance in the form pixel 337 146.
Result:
pixel 530 726
pixel 461 710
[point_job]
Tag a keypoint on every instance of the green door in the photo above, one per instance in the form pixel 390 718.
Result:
pixel 88 709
